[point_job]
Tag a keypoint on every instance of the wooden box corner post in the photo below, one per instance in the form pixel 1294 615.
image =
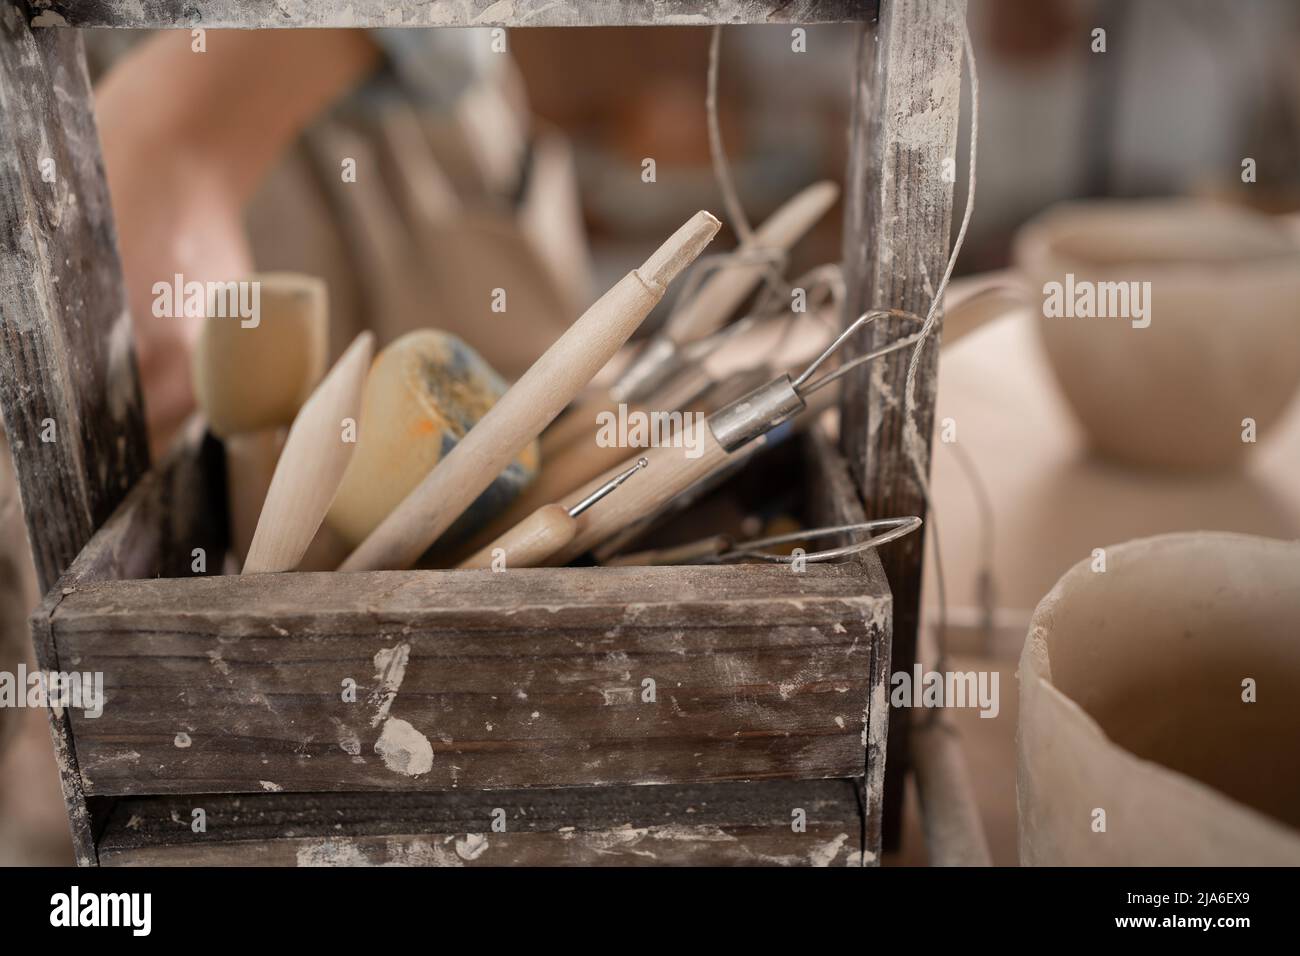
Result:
pixel 898 216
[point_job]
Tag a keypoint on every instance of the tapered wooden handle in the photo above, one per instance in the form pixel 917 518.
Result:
pixel 311 466
pixel 726 289
pixel 529 406
pixel 572 466
pixel 529 543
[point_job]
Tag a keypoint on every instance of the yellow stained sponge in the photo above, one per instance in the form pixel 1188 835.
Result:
pixel 425 391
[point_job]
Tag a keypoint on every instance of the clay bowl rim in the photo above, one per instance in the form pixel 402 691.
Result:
pixel 1035 660
pixel 1037 252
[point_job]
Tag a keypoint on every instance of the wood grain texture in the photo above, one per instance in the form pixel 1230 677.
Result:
pixel 711 825
pixel 396 13
pixel 65 754
pixel 527 678
pixel 66 356
pixel 154 532
pixel 898 212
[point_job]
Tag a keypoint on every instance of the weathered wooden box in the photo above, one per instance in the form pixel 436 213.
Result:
pixel 404 717
pixel 424 682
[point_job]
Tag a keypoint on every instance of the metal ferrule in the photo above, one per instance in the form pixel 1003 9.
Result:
pixel 757 413
pixel 659 361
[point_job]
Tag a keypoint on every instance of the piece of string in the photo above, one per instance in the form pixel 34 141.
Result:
pixel 730 198
pixel 913 446
pixel 722 170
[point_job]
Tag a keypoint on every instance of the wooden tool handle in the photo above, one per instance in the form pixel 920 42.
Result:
pixel 718 297
pixel 529 406
pixel 254 373
pixel 531 542
pixel 577 424
pixel 576 431
pixel 670 471
pixel 573 469
pixel 573 466
pixel 311 465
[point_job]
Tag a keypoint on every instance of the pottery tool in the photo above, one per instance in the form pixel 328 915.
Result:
pixel 251 375
pixel 742 345
pixel 545 531
pixel 704 308
pixel 720 548
pixel 618 542
pixel 726 365
pixel 717 437
pixel 423 395
pixel 718 297
pixel 529 406
pixel 578 425
pixel 315 455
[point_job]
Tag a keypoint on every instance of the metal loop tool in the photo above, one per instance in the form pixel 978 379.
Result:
pixel 782 398
pixel 719 549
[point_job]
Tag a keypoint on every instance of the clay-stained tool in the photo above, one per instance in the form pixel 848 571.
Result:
pixel 545 531
pixel 702 311
pixel 250 379
pixel 718 297
pixel 693 389
pixel 312 464
pixel 721 434
pixel 529 406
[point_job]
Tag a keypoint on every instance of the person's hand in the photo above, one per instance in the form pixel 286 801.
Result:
pixel 187 136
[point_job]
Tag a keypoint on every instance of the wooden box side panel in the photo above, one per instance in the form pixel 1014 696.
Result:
pixel 441 680
pixel 840 506
pixel 779 823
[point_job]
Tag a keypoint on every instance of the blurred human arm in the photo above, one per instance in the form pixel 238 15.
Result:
pixel 186 137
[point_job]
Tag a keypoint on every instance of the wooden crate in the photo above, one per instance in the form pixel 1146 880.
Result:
pixel 224 694
pixel 503 682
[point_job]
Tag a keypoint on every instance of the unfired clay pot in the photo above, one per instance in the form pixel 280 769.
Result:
pixel 1223 342
pixel 1131 702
